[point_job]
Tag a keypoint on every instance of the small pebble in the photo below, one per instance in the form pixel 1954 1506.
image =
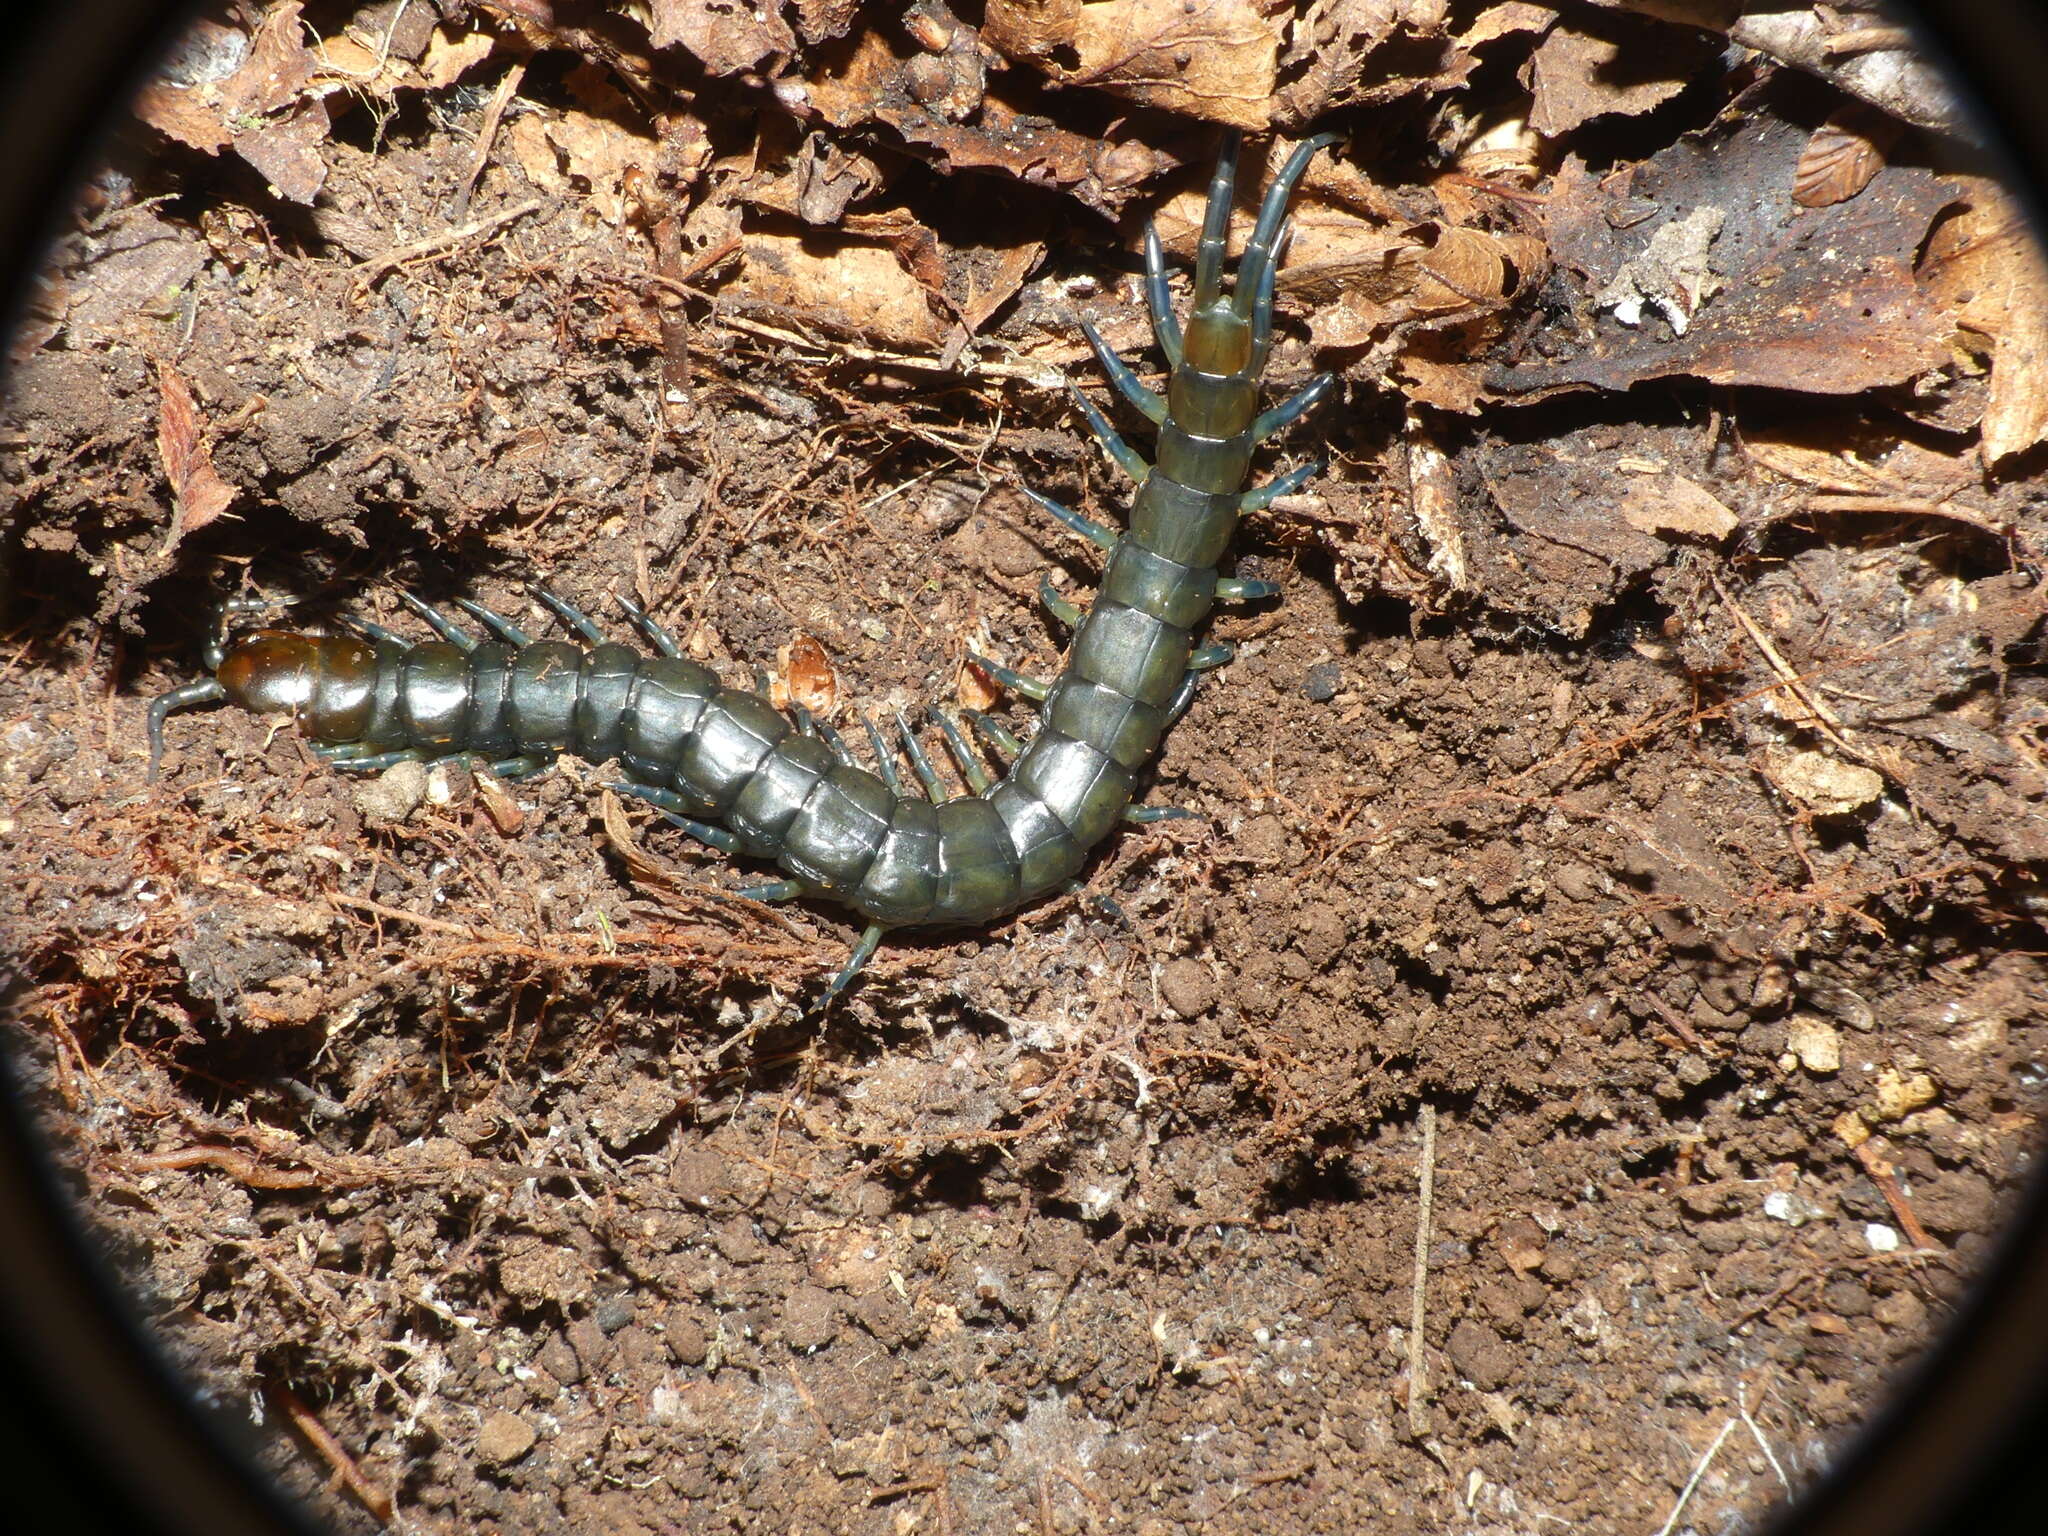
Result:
pixel 1322 682
pixel 1187 987
pixel 504 1438
pixel 1881 1238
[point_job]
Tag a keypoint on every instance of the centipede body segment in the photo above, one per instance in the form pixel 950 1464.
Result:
pixel 741 776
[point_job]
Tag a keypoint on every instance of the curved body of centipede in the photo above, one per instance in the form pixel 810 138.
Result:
pixel 734 772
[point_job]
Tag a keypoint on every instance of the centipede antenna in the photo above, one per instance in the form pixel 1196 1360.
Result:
pixel 1128 459
pixel 1216 225
pixel 1258 251
pixel 1148 403
pixel 567 612
pixel 437 621
pixel 1159 298
pixel 206 691
pixel 1262 304
pixel 494 621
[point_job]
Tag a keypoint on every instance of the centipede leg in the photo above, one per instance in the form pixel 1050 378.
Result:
pixel 1128 459
pixel 971 768
pixel 674 809
pixel 1095 533
pixel 1260 497
pixel 567 612
pixel 657 636
pixel 998 735
pixel 1210 657
pixel 495 622
pixel 1148 403
pixel 1293 408
pixel 772 890
pixel 885 760
pixel 1145 815
pixel 1066 612
pixel 1245 589
pixel 1183 696
pixel 370 762
pixel 1159 298
pixel 381 633
pixel 834 743
pixel 863 951
pixel 921 765
pixel 437 621
pixel 1032 688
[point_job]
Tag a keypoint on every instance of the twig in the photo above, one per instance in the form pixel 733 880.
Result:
pixel 1418 1419
pixel 331 1451
pixel 1880 1173
pixel 433 245
pixel 1762 1444
pixel 1817 711
pixel 1698 1472
pixel 487 132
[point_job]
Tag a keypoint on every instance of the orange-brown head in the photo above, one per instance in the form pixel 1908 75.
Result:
pixel 327 681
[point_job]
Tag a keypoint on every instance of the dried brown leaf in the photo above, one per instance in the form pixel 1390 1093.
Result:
pixel 1843 155
pixel 1986 266
pixel 1671 504
pixel 727 36
pixel 198 494
pixel 1215 59
pixel 184 114
pixel 285 148
pixel 857 290
pixel 449 57
pixel 1576 75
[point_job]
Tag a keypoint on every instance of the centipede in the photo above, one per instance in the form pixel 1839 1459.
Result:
pixel 743 777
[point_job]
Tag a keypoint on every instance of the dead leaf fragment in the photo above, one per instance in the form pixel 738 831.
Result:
pixel 858 290
pixel 1574 76
pixel 804 677
pixel 449 58
pixel 199 495
pixel 1843 155
pixel 1671 504
pixel 1215 59
pixel 727 36
pixel 1985 263
pixel 1825 785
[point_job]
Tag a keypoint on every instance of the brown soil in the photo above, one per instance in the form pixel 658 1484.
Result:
pixel 498 1147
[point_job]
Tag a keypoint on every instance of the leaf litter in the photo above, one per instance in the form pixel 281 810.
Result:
pixel 1640 785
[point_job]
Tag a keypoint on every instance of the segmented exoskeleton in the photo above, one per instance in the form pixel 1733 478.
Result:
pixel 734 772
